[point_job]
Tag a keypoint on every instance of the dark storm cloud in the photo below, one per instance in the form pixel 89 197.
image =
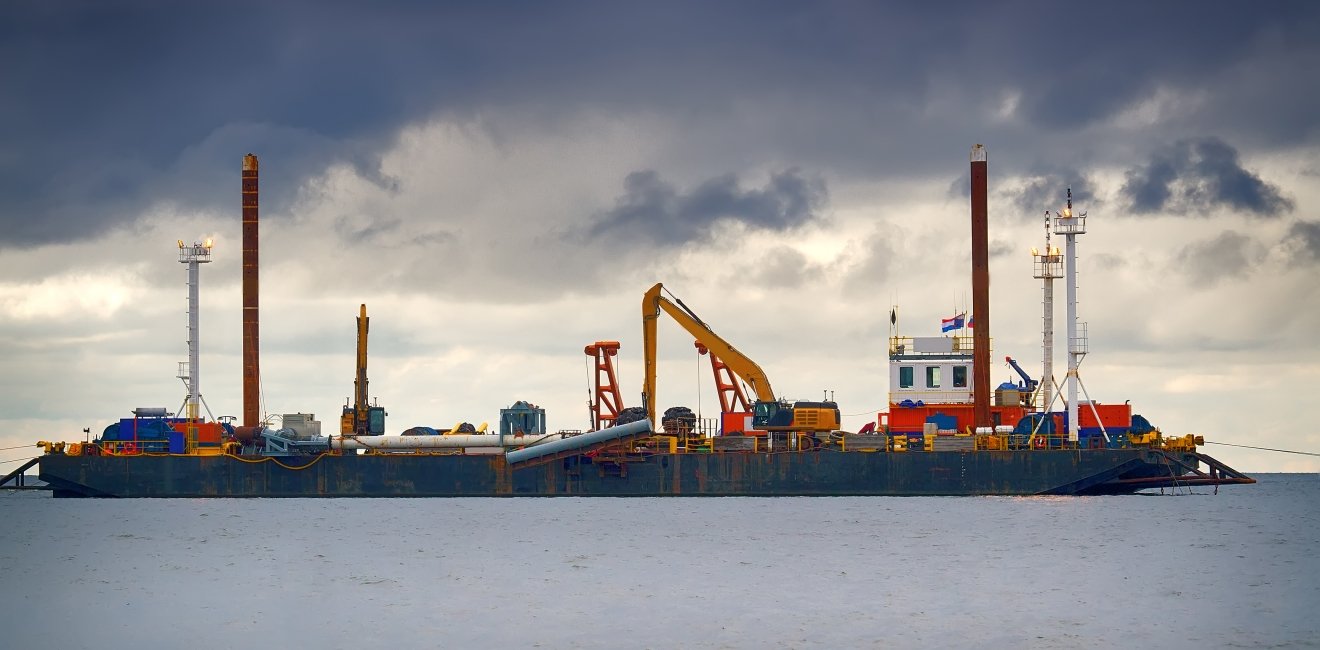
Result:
pixel 1048 190
pixel 1193 177
pixel 377 228
pixel 1227 256
pixel 654 211
pixel 1304 240
pixel 1033 192
pixel 111 106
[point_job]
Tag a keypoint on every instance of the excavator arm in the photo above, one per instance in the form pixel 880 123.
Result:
pixel 361 418
pixel 732 397
pixel 745 369
pixel 360 382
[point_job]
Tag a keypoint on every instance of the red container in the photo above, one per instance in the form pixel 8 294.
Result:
pixel 735 422
pixel 1112 416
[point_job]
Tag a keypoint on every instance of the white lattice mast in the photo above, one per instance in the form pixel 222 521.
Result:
pixel 194 255
pixel 1047 266
pixel 1070 225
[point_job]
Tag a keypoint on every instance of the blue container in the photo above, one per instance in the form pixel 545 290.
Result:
pixel 943 421
pixel 176 442
pixel 144 429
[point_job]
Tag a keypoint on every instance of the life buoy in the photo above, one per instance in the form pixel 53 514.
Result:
pixel 130 448
pixel 1040 442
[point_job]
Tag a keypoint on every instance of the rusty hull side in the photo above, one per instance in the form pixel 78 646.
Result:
pixel 812 473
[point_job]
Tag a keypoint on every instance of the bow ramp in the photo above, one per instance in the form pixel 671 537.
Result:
pixel 1185 471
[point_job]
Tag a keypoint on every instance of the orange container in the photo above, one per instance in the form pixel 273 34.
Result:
pixel 208 433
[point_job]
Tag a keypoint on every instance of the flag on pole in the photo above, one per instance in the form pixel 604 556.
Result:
pixel 971 322
pixel 952 323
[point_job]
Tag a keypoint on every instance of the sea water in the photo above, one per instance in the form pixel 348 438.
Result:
pixel 1187 570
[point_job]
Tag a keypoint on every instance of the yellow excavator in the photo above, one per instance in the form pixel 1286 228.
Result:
pixel 361 418
pixel 768 413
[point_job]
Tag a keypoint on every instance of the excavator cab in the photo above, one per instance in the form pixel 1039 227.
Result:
pixel 367 422
pixel 376 421
pixel 768 415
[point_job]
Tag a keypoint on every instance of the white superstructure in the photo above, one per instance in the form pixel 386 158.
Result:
pixel 930 369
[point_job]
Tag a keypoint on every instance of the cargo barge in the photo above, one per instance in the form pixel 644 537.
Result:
pixel 635 474
pixel 940 436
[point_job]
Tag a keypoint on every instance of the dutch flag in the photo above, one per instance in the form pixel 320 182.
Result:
pixel 954 323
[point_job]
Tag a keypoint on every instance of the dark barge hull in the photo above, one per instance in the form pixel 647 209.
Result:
pixel 804 473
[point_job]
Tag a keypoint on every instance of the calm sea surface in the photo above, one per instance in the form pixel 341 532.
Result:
pixel 1237 569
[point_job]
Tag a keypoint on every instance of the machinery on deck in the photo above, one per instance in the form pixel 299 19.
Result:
pixel 361 418
pixel 768 413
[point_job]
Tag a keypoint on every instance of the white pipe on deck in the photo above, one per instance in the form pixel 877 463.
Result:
pixel 438 442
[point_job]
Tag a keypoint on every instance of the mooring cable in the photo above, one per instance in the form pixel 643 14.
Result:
pixel 1284 451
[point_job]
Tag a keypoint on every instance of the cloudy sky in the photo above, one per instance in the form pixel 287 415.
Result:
pixel 500 184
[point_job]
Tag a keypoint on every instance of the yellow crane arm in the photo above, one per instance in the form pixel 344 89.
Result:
pixel 742 367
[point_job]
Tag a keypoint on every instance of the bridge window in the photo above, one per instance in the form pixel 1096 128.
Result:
pixel 960 376
pixel 905 376
pixel 932 376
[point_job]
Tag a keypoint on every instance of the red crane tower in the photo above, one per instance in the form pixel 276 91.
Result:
pixel 606 401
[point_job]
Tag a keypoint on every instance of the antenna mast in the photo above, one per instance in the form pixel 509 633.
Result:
pixel 1047 265
pixel 193 255
pixel 1070 225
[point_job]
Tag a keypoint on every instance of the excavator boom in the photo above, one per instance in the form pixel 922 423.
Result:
pixel 361 418
pixel 360 383
pixel 732 397
pixel 744 368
